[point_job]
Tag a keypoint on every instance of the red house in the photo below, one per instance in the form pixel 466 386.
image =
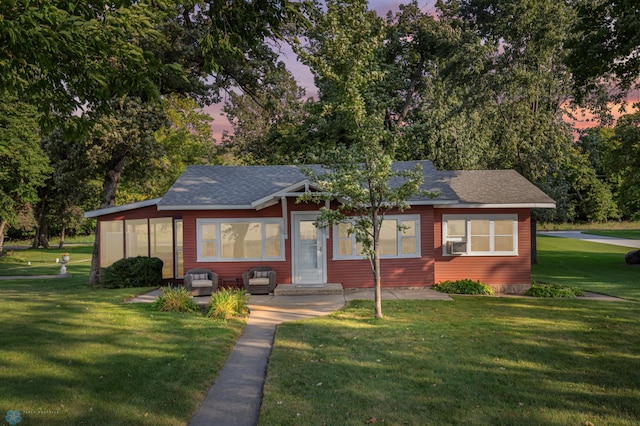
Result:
pixel 231 218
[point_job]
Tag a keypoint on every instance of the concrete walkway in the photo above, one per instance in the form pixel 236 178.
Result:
pixel 578 235
pixel 235 397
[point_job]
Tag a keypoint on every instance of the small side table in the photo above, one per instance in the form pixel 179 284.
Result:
pixel 230 283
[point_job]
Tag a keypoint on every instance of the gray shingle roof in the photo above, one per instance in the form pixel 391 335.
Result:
pixel 246 187
pixel 495 187
pixel 209 187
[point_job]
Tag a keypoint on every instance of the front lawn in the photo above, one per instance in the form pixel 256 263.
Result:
pixel 589 266
pixel 474 361
pixel 76 355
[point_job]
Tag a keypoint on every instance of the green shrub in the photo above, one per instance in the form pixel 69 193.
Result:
pixel 226 304
pixel 463 287
pixel 141 271
pixel 10 256
pixel 175 299
pixel 553 290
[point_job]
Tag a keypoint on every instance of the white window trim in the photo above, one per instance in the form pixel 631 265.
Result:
pixel 468 218
pixel 218 222
pixel 398 218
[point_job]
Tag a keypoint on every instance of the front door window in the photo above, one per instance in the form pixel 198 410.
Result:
pixel 308 253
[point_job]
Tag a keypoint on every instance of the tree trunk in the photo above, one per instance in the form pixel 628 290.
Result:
pixel 42 231
pixel 63 212
pixel 3 225
pixel 94 275
pixel 62 232
pixel 377 280
pixel 110 188
pixel 378 283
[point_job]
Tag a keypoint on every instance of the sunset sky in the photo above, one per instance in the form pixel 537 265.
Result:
pixel 305 79
pixel 301 72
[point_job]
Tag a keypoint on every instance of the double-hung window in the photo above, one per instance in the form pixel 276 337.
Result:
pixel 480 235
pixel 399 237
pixel 221 240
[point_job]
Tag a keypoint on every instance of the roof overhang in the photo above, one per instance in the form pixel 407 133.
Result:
pixel 123 208
pixel 498 206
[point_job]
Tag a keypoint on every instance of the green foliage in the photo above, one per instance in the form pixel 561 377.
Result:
pixel 604 45
pixel 140 271
pixel 23 164
pixel 10 256
pixel 553 290
pixel 70 55
pixel 228 303
pixel 465 286
pixel 175 299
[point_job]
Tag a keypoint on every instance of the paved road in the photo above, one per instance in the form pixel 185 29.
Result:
pixel 578 235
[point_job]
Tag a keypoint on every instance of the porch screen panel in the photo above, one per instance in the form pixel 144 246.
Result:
pixel 111 242
pixel 161 235
pixel 137 238
pixel 179 249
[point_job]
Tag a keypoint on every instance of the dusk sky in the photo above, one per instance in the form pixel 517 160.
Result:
pixel 301 73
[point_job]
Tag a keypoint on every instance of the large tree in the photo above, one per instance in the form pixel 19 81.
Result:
pixel 23 164
pixel 343 49
pixel 605 47
pixel 268 124
pixel 67 56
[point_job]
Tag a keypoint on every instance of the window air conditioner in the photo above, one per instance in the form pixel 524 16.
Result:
pixel 456 247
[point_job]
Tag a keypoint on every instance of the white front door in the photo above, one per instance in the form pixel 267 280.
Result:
pixel 308 250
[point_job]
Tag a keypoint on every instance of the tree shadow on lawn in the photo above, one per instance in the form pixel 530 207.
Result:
pixel 91 361
pixel 477 361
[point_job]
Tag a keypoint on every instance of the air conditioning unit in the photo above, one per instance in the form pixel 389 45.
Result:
pixel 456 247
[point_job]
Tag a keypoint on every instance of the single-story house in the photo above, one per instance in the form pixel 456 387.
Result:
pixel 231 218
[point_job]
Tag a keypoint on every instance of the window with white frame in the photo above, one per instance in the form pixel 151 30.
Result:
pixel 399 237
pixel 480 235
pixel 221 240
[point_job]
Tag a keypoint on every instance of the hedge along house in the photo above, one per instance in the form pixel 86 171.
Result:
pixel 231 218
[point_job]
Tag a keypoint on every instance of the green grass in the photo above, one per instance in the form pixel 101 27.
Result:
pixel 633 234
pixel 587 226
pixel 43 261
pixel 474 361
pixel 588 266
pixel 75 355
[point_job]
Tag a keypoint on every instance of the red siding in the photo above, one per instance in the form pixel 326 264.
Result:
pixel 488 269
pixel 394 272
pixel 235 269
pixel 432 267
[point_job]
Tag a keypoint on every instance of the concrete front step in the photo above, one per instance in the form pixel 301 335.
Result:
pixel 307 289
